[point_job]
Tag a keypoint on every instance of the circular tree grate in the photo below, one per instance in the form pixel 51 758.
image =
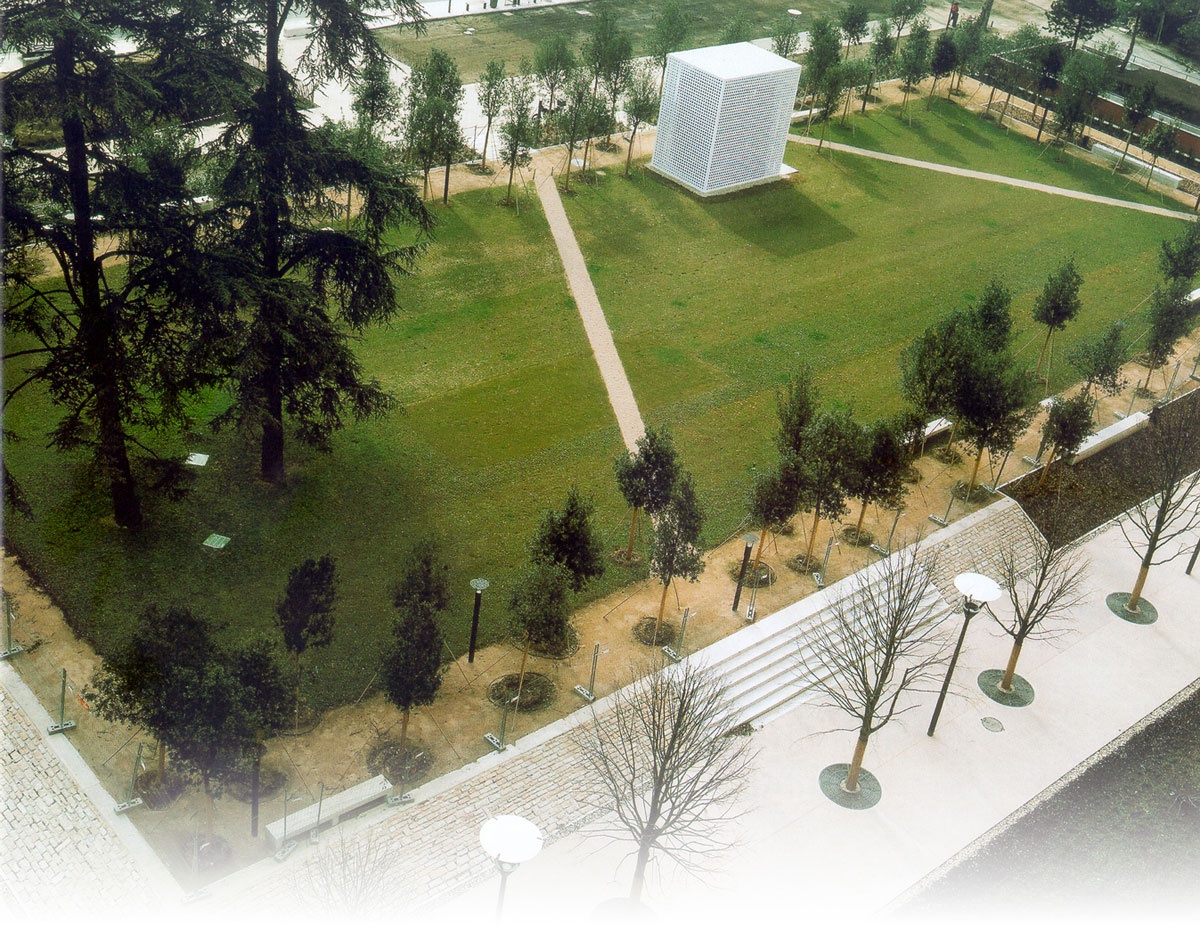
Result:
pixel 536 692
pixel 754 579
pixel 385 759
pixel 270 783
pixel 856 537
pixel 158 795
pixel 644 632
pixel 799 565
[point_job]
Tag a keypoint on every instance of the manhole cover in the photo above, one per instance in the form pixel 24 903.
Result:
pixel 992 724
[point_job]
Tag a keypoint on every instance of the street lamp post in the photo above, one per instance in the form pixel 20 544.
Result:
pixel 751 539
pixel 977 591
pixel 508 841
pixel 478 585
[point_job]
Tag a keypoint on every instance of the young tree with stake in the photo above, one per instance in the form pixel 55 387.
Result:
pixel 492 86
pixel 1056 306
pixel 1043 584
pixel 674 551
pixel 568 538
pixel 647 477
pixel 641 106
pixel 1068 424
pixel 880 643
pixel 539 609
pixel 412 666
pixel 516 127
pixel 668 761
pixel 305 614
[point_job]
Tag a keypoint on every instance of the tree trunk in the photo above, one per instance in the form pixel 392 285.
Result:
pixel 271 460
pixel 98 327
pixel 1137 23
pixel 867 93
pixel 629 155
pixel 297 656
pixel 1011 669
pixel 632 535
pixel 209 807
pixel 974 474
pixel 512 170
pixel 1150 174
pixel 446 183
pixel 487 131
pixel 758 553
pixel 1046 468
pixel 1125 151
pixel 860 750
pixel 932 93
pixel 639 869
pixel 162 761
pixel 862 513
pixel 662 608
pixel 403 745
pixel 521 676
pixel 1042 125
pixel 1042 354
pixel 812 538
pixel 1143 572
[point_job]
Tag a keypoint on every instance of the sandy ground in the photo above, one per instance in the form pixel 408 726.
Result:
pixel 333 754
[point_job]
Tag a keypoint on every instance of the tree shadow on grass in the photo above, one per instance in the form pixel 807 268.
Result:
pixel 777 218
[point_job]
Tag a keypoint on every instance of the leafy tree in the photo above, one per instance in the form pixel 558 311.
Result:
pixel 914 58
pixel 1041 594
pixel 796 405
pixel 1140 103
pixel 1085 77
pixel 1170 513
pixel 824 52
pixel 586 115
pixel 553 62
pixel 1172 317
pixel 378 108
pixel 302 290
pixel 1159 142
pixel 736 30
pixel 424 580
pixel 608 54
pixel 641 105
pixel 879 629
pixel 878 477
pixel 942 62
pixel 539 610
pixel 411 665
pixel 1099 359
pixel 306 614
pixel 1049 62
pixel 883 50
pixel 830 91
pixel 1068 424
pixel 785 35
pixel 854 23
pixel 927 366
pixel 1057 305
pixel 569 539
pixel 180 684
pixel 1179 258
pixel 433 132
pixel 493 84
pixel 668 34
pixel 671 761
pixel 972 48
pixel 1080 19
pixel 903 12
pixel 516 127
pixel 117 353
pixel 829 454
pixel 773 501
pixel 990 318
pixel 674 551
pixel 647 477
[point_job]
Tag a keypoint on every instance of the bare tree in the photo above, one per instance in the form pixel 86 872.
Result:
pixel 349 876
pixel 876 643
pixel 1043 583
pixel 666 757
pixel 1173 441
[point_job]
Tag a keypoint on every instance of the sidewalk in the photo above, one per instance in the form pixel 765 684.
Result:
pixel 802 856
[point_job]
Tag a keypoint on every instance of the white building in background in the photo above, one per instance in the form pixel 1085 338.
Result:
pixel 724 118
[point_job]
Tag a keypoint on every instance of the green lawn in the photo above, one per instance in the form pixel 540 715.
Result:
pixel 952 135
pixel 513 38
pixel 712 303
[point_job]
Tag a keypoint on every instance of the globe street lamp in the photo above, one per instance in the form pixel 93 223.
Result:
pixel 478 585
pixel 977 591
pixel 508 841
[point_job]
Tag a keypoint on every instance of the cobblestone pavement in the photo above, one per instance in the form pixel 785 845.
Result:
pixel 59 853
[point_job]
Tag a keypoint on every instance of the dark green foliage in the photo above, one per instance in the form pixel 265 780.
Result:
pixel 569 539
pixel 830 450
pixel 607 54
pixel 943 60
pixel 1058 304
pixel 796 405
pixel 1179 259
pixel 177 681
pixel 1085 77
pixel 1160 143
pixel 927 366
pixel 1068 424
pixel 854 21
pixel 990 318
pixel 432 133
pixel 376 100
pixel 1171 319
pixel 411 665
pixel 674 551
pixel 1080 19
pixel 115 352
pixel 425 579
pixel 641 105
pixel 517 127
pixel 303 291
pixel 992 398
pixel 773 496
pixel 539 607
pixel 1099 359
pixel 306 611
pixel 878 474
pixel 913 63
pixel 785 35
pixel 736 30
pixel 647 478
pixel 553 62
pixel 824 51
pixel 492 86
pixel 671 28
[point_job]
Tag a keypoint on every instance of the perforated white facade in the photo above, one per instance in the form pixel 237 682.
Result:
pixel 724 118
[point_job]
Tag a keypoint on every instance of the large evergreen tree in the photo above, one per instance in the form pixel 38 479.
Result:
pixel 569 539
pixel 304 289
pixel 117 352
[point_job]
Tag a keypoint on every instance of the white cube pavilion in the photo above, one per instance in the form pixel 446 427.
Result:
pixel 724 118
